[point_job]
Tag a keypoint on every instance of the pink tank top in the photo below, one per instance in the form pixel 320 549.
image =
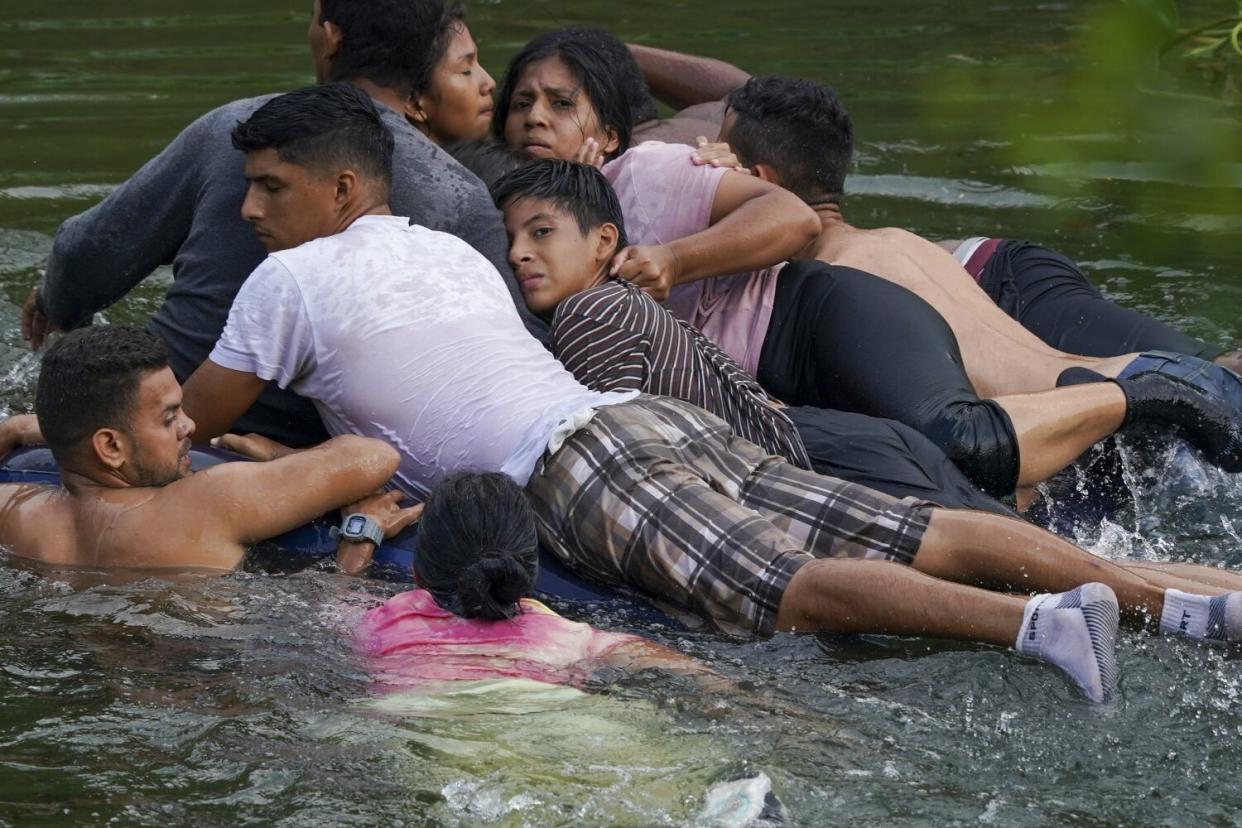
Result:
pixel 665 197
pixel 414 642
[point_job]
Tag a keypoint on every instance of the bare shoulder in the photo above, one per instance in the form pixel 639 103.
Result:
pixel 35 520
pixel 178 526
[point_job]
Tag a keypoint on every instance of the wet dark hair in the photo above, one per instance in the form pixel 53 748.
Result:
pixel 629 76
pixel 799 128
pixel 478 552
pixel 578 189
pixel 384 41
pixel 89 380
pixel 590 66
pixel 489 159
pixel 443 29
pixel 326 128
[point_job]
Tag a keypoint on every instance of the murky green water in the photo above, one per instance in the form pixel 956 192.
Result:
pixel 237 700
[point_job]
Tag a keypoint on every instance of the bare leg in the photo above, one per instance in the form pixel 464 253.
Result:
pixel 1026 497
pixel 859 596
pixel 1055 427
pixel 1073 631
pixel 1191 577
pixel 996 552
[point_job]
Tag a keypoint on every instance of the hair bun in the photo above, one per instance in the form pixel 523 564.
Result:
pixel 492 586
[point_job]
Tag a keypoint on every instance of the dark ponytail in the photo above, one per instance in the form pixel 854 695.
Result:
pixel 478 553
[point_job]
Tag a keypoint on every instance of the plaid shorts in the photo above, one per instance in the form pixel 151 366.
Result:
pixel 661 497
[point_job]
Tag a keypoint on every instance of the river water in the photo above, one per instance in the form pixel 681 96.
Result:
pixel 238 700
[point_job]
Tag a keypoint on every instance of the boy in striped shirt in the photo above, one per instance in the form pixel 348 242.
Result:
pixel 612 336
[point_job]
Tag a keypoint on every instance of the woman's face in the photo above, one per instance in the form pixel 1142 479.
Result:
pixel 550 115
pixel 458 104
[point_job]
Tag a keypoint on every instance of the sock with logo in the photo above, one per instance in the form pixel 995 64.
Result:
pixel 1076 631
pixel 1202 616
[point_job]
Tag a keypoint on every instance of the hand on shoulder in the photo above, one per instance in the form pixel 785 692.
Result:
pixel 653 267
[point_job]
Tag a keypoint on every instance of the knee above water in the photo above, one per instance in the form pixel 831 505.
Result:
pixel 979 438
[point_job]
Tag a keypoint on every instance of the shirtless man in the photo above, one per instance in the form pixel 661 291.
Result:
pixel 110 410
pixel 795 133
pixel 1001 357
pixel 1040 288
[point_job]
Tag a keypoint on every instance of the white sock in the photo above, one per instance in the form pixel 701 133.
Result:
pixel 1076 631
pixel 1202 616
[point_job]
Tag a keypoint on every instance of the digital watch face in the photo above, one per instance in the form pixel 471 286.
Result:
pixel 355 525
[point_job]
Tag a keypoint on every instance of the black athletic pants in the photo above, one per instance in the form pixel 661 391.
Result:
pixel 887 456
pixel 1050 297
pixel 844 339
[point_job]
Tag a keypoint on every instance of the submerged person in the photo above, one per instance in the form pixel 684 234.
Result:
pixel 470 641
pixel 182 208
pixel 477 561
pixel 403 332
pixel 109 407
pixel 688 224
pixel 612 336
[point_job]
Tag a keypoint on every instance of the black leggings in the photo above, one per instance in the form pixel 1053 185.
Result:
pixel 887 456
pixel 841 338
pixel 1050 297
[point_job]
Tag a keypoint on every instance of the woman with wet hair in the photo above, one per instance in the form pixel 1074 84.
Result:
pixel 479 552
pixel 469 642
pixel 563 98
pixel 451 93
pixel 471 619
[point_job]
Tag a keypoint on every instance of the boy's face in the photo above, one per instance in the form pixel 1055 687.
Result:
pixel 550 256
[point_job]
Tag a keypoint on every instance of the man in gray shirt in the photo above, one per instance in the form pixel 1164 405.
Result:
pixel 184 208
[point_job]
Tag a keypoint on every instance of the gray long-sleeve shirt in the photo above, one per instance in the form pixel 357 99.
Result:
pixel 184 208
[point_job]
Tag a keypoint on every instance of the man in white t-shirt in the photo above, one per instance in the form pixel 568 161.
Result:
pixel 409 335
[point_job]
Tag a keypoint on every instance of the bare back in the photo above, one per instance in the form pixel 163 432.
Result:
pixel 134 528
pixel 1001 357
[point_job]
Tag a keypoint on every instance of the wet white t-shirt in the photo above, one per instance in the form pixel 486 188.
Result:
pixel 409 335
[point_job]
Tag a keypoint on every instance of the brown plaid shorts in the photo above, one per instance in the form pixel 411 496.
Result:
pixel 661 497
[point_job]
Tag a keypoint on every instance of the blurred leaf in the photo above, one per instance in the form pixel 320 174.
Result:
pixel 1163 16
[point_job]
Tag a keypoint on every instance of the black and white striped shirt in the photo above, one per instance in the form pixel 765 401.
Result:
pixel 614 337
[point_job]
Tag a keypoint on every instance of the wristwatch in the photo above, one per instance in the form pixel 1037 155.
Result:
pixel 359 527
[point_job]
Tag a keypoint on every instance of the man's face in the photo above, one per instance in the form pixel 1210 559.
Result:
pixel 550 256
pixel 287 204
pixel 317 39
pixel 159 433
